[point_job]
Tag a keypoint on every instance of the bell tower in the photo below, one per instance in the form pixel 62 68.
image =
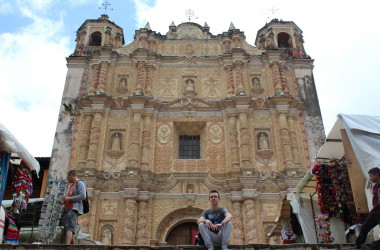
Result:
pixel 278 34
pixel 96 33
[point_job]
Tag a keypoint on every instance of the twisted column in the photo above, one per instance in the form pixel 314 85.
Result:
pixel 276 79
pixel 285 140
pixel 135 144
pixel 140 77
pixel 141 233
pixel 293 141
pixel 251 222
pixel 149 80
pixel 234 146
pixel 102 77
pixel 284 81
pixel 230 81
pixel 244 140
pixel 237 224
pixel 128 229
pixel 94 79
pixel 94 140
pixel 85 139
pixel 146 153
pixel 239 78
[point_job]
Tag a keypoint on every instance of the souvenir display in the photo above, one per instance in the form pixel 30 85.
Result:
pixel 51 211
pixel 323 229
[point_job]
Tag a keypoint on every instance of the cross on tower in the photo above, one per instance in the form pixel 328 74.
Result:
pixel 105 5
pixel 273 12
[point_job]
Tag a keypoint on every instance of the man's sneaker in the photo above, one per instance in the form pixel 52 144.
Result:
pixel 225 248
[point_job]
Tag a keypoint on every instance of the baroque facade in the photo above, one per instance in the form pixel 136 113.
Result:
pixel 128 112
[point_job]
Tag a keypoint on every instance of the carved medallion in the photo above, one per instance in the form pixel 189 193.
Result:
pixel 164 133
pixel 216 133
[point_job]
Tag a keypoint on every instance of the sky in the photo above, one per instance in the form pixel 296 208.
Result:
pixel 36 36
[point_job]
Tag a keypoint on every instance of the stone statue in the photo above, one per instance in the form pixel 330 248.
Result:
pixel 107 237
pixel 190 85
pixel 263 141
pixel 115 143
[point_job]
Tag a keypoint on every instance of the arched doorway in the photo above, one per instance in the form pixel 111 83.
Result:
pixel 183 234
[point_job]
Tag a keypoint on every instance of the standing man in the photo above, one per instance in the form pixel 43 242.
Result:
pixel 373 219
pixel 73 205
pixel 215 224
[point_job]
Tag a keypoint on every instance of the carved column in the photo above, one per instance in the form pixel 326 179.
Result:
pixel 94 207
pixel 293 141
pixel 102 77
pixel 94 140
pixel 285 140
pixel 234 146
pixel 237 224
pixel 251 222
pixel 276 79
pixel 135 144
pixel 284 81
pixel 244 140
pixel 85 139
pixel 146 153
pixel 141 232
pixel 230 81
pixel 129 226
pixel 140 77
pixel 94 78
pixel 239 78
pixel 149 80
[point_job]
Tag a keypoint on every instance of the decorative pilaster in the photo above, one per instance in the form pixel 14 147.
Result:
pixel 146 153
pixel 251 222
pixel 135 143
pixel 94 140
pixel 276 79
pixel 94 79
pixel 102 77
pixel 149 80
pixel 285 140
pixel 94 207
pixel 141 233
pixel 234 146
pixel 230 81
pixel 239 79
pixel 293 141
pixel 284 81
pixel 237 224
pixel 85 139
pixel 129 225
pixel 140 78
pixel 244 140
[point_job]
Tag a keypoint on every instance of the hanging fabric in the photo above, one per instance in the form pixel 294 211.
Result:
pixel 11 230
pixel 4 165
pixel 22 188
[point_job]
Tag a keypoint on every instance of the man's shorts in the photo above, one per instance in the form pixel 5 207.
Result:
pixel 71 220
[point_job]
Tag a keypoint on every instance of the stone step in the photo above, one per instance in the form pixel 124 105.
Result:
pixel 179 247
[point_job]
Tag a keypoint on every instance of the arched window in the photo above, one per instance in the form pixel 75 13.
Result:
pixel 284 40
pixel 95 39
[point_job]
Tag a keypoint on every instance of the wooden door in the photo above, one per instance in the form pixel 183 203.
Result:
pixel 183 234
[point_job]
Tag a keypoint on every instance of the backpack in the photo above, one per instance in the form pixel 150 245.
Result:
pixel 85 203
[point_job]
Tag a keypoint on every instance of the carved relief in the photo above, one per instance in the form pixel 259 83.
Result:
pixel 211 87
pixel 270 211
pixel 109 207
pixel 116 144
pixel 238 234
pixel 164 133
pixel 264 153
pixel 216 133
pixel 168 87
pixel 256 86
pixel 107 233
pixel 122 84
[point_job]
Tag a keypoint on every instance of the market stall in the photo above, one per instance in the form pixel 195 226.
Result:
pixel 21 182
pixel 333 194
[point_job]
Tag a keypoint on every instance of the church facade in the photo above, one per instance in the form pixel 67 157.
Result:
pixel 154 125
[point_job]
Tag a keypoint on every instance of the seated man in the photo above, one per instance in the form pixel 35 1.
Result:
pixel 215 224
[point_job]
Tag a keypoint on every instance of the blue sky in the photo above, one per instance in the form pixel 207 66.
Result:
pixel 37 35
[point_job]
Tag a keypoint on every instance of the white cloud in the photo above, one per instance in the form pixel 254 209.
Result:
pixel 33 80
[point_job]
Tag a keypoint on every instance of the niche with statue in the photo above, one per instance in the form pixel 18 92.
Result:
pixel 116 144
pixel 264 151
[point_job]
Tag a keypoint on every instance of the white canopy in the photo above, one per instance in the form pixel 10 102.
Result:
pixel 10 144
pixel 364 134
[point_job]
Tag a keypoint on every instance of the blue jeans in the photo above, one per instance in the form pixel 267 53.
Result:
pixel 212 239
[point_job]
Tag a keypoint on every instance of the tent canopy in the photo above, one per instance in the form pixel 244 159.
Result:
pixel 10 144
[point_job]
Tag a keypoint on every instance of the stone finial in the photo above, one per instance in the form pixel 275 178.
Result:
pixel 147 26
pixel 232 27
pixel 172 24
pixel 206 25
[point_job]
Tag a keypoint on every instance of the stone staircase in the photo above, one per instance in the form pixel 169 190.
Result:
pixel 183 247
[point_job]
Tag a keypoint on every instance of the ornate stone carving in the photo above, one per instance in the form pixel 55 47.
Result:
pixel 251 222
pixel 102 77
pixel 230 81
pixel 238 233
pixel 109 207
pixel 211 88
pixel 122 86
pixel 129 222
pixel 164 133
pixel 256 86
pixel 168 87
pixel 216 133
pixel 141 233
